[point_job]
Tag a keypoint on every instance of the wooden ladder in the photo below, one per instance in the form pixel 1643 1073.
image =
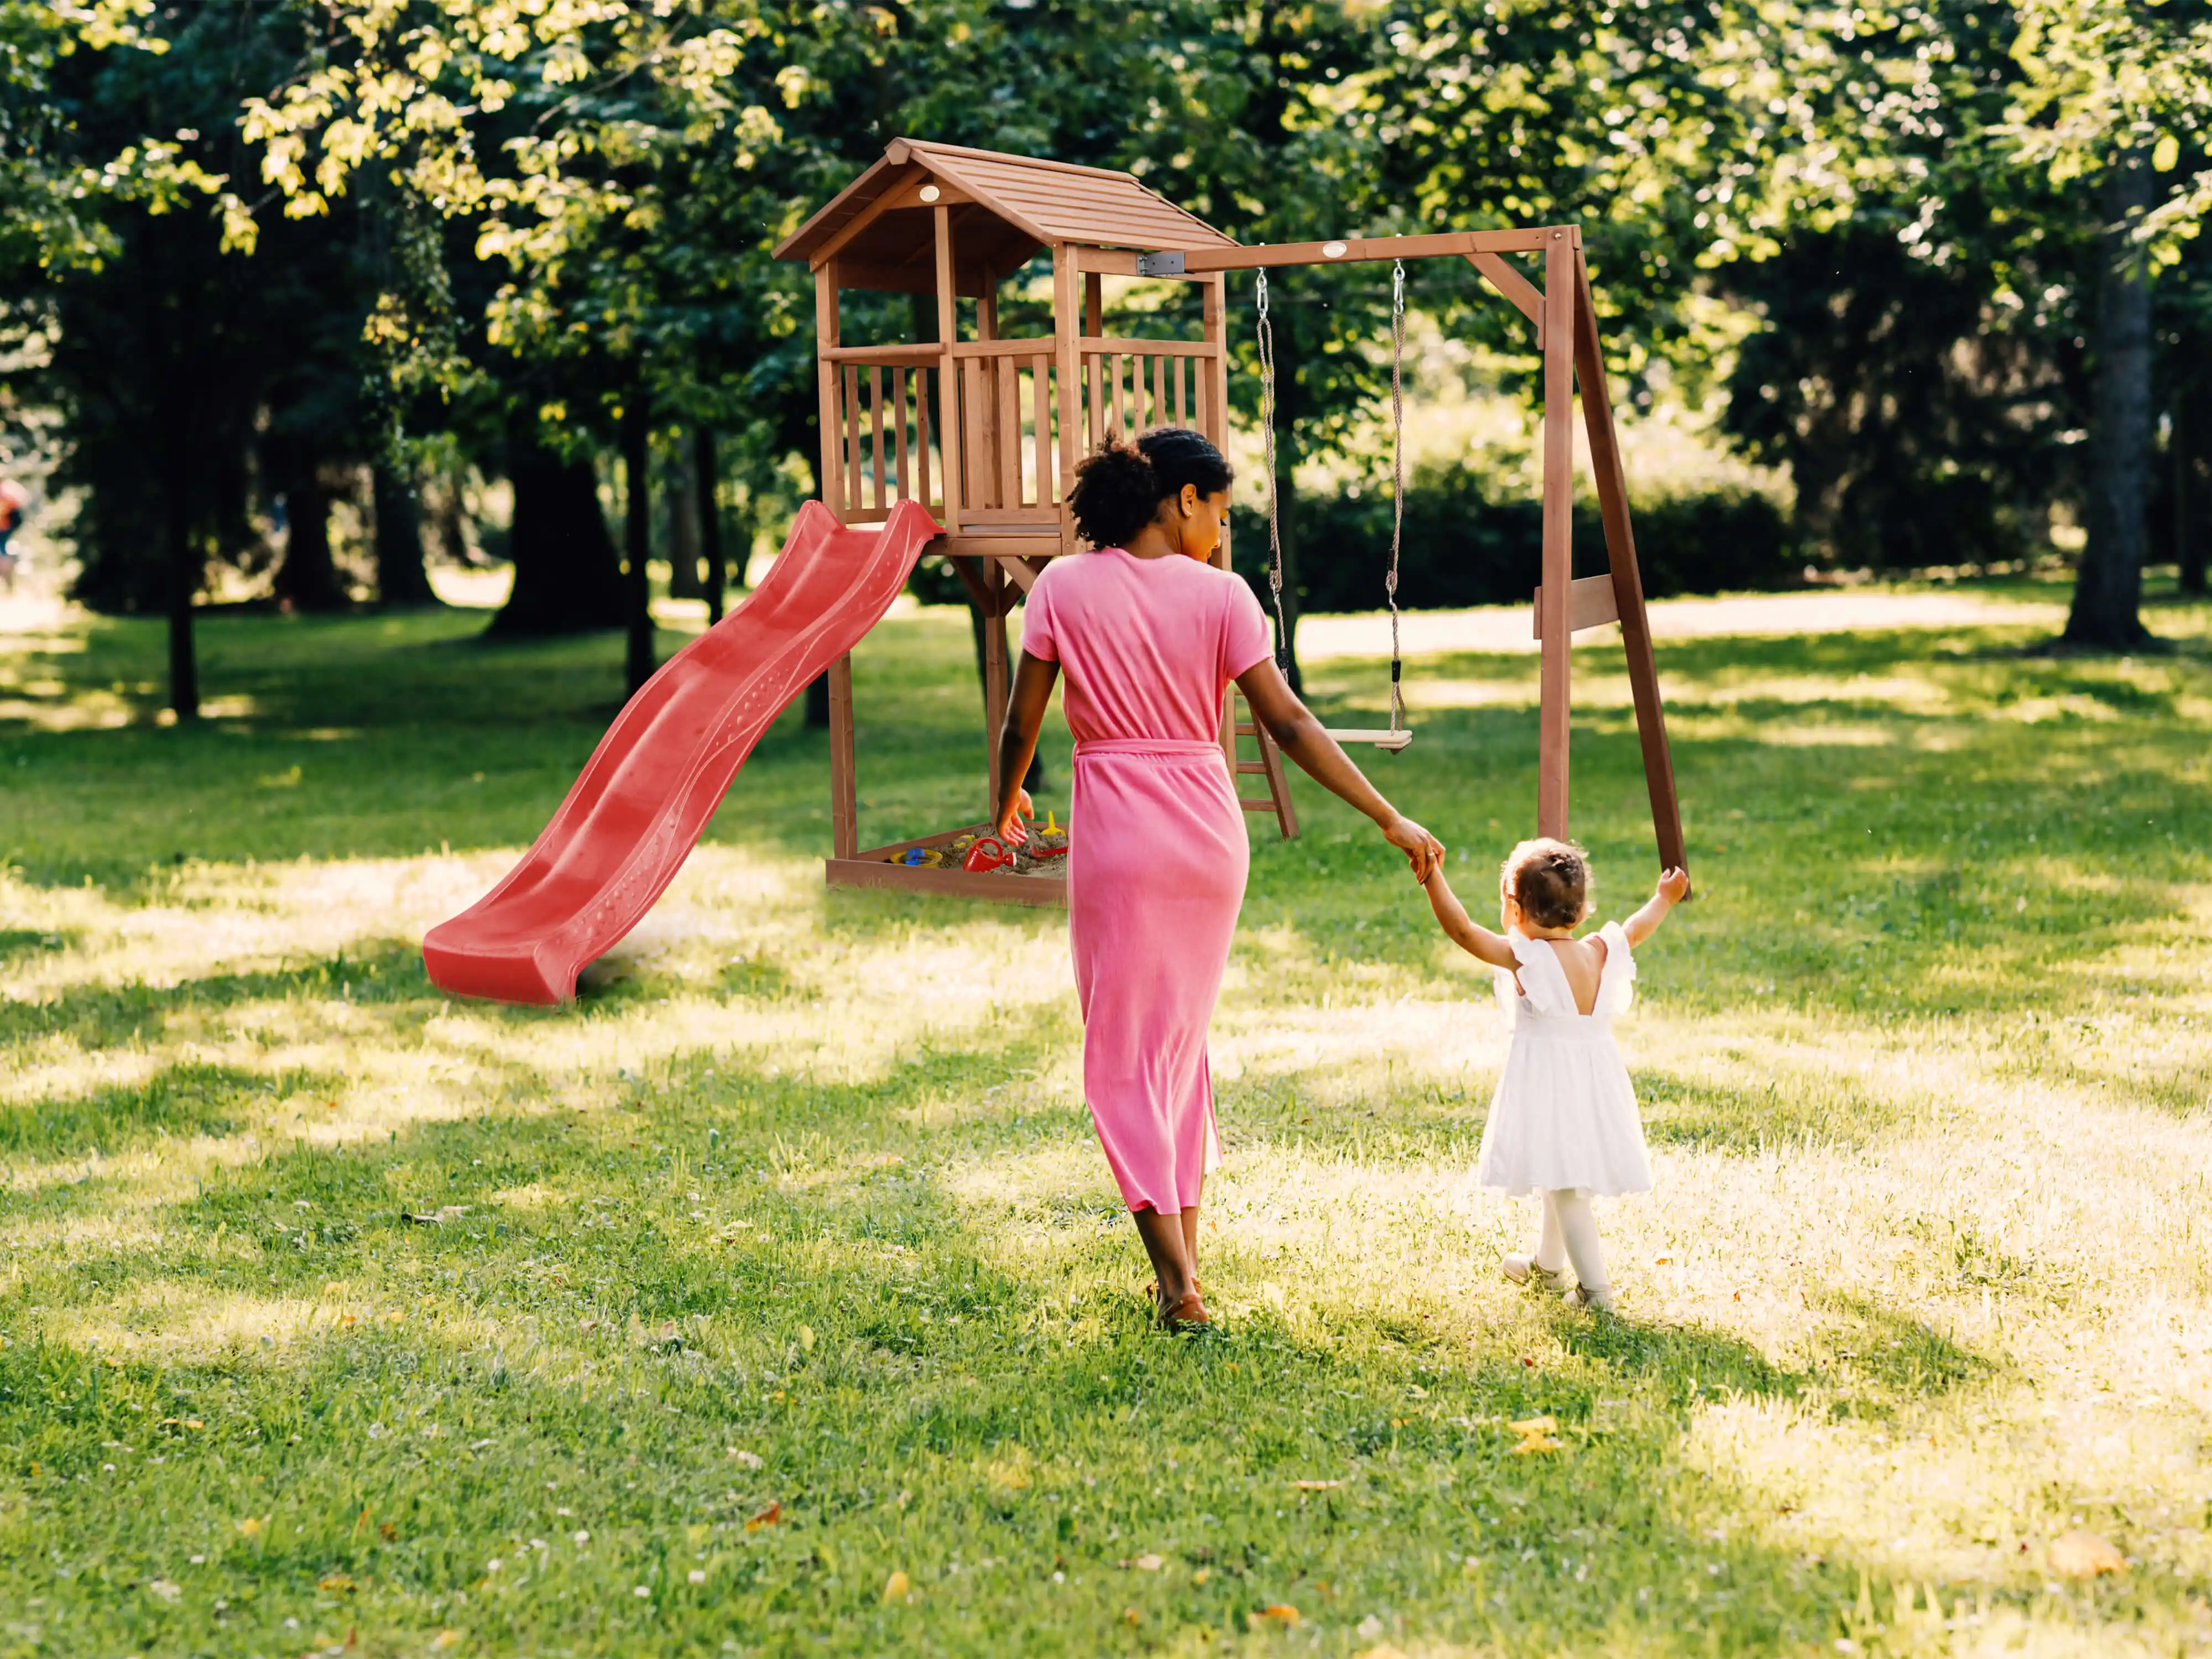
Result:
pixel 1237 724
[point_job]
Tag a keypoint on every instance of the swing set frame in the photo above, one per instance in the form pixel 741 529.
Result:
pixel 985 431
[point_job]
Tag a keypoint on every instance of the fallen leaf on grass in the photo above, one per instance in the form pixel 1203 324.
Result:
pixel 1279 1613
pixel 1527 1425
pixel 250 1527
pixel 897 1587
pixel 1316 1485
pixel 767 1517
pixel 336 1581
pixel 1148 1563
pixel 2079 1554
pixel 446 1638
pixel 1536 1443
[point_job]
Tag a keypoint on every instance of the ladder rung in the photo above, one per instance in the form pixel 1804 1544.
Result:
pixel 1251 766
pixel 1264 804
pixel 1245 730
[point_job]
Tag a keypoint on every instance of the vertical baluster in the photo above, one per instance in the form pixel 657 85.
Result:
pixel 852 439
pixel 876 415
pixel 1174 370
pixel 1010 428
pixel 903 472
pixel 1159 391
pixel 1120 410
pixel 1041 398
pixel 1094 376
pixel 922 437
pixel 975 422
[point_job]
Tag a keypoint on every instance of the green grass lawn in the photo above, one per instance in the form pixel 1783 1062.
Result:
pixel 775 1298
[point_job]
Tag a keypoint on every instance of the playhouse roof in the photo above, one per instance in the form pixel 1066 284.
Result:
pixel 1014 206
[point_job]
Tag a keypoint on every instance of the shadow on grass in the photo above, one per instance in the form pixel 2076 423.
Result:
pixel 190 1098
pixel 95 1015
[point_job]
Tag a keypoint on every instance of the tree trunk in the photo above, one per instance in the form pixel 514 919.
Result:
pixel 2190 497
pixel 707 477
pixel 637 511
pixel 185 572
pixel 307 580
pixel 567 578
pixel 402 580
pixel 2108 592
pixel 677 489
pixel 1287 500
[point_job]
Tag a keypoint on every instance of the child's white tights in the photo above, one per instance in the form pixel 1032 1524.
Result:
pixel 1569 1234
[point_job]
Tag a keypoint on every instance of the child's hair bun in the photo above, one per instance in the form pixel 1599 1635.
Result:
pixel 1550 880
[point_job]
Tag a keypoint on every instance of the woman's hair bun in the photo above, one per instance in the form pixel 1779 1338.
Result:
pixel 1119 487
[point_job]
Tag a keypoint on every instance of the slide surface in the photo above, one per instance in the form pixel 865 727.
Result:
pixel 657 776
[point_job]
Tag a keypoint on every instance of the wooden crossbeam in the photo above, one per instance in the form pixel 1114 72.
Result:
pixel 1592 602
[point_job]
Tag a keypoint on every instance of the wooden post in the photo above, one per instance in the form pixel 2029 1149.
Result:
pixel 1553 725
pixel 1627 579
pixel 1214 421
pixel 844 799
pixel 948 375
pixel 1067 326
pixel 995 675
pixel 831 476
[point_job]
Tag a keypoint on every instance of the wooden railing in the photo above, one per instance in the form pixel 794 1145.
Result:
pixel 1010 407
pixel 1131 385
pixel 886 397
pixel 1009 441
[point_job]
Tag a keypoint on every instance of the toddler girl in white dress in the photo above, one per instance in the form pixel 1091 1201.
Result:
pixel 1564 1123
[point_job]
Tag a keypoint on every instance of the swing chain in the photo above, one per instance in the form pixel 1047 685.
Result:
pixel 1267 341
pixel 1397 477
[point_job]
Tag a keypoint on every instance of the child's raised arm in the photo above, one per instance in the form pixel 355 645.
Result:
pixel 1466 932
pixel 1645 922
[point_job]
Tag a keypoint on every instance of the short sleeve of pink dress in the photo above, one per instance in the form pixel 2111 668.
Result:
pixel 1156 849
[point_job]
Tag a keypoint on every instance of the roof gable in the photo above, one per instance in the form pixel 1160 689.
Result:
pixel 1033 203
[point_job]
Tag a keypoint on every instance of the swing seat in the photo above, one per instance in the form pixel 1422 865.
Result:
pixel 1381 738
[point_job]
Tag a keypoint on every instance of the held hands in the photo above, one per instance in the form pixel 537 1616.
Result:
pixel 1015 808
pixel 1423 851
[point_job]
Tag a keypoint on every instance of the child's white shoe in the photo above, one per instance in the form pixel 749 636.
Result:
pixel 1581 1296
pixel 1520 1269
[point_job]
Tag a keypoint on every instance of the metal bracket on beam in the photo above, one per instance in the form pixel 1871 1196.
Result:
pixel 1159 264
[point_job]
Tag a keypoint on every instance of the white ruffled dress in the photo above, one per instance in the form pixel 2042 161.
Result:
pixel 1565 1115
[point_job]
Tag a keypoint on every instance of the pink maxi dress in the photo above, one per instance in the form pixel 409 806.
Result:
pixel 1156 854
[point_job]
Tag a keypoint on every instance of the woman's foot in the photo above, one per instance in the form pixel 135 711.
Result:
pixel 1520 1269
pixel 1187 1313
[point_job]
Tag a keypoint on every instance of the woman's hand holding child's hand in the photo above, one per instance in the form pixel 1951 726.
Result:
pixel 1422 850
pixel 1016 808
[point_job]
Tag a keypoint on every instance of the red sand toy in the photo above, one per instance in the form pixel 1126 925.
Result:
pixel 631 819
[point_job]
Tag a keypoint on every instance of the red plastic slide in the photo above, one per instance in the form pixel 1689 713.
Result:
pixel 657 776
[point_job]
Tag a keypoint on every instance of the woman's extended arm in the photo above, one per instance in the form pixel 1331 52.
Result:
pixel 1033 682
pixel 1299 735
pixel 1470 935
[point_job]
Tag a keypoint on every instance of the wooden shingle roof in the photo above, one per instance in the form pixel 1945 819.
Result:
pixel 1033 203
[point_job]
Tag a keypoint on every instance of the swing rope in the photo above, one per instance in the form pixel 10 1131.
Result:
pixel 1397 732
pixel 1397 480
pixel 1275 521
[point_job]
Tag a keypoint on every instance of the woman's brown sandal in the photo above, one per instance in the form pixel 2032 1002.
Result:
pixel 1187 1315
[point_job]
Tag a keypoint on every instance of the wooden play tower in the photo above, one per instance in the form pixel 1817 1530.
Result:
pixel 985 431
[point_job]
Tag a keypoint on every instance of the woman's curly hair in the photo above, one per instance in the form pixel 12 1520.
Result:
pixel 1120 487
pixel 1550 880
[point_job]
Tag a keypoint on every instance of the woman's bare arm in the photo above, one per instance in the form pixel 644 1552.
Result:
pixel 1034 678
pixel 1299 735
pixel 1470 935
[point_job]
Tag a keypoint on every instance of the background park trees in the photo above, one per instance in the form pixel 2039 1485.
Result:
pixel 1943 253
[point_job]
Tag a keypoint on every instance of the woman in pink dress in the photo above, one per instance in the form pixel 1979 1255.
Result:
pixel 1151 634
